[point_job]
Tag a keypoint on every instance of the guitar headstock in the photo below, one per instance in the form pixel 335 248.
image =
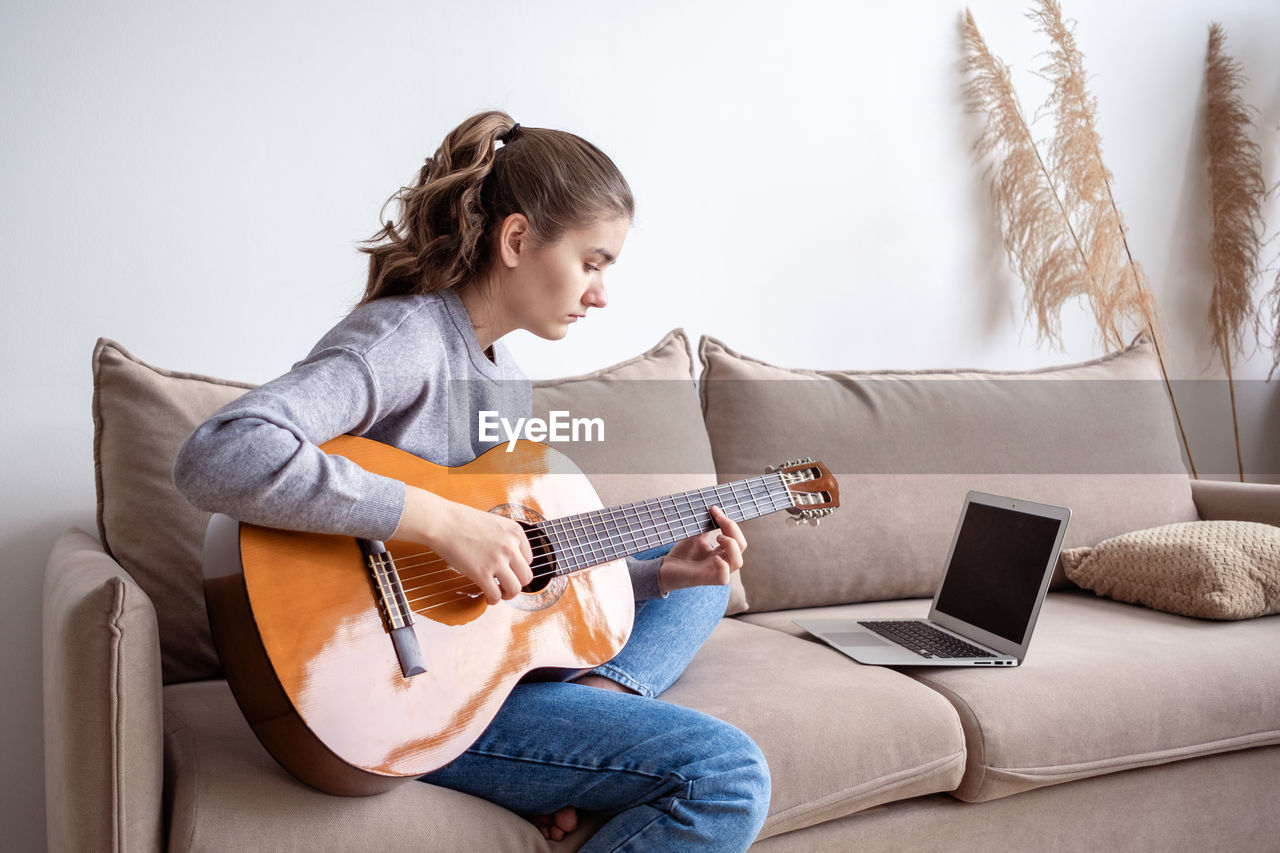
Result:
pixel 813 489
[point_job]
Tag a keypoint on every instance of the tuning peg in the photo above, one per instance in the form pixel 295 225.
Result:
pixel 773 469
pixel 811 516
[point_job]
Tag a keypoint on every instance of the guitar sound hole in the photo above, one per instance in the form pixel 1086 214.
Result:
pixel 544 559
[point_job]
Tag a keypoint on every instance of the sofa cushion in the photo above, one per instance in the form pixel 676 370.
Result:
pixel 906 447
pixel 838 738
pixel 656 445
pixel 1209 569
pixel 1216 803
pixel 1105 687
pixel 227 793
pixel 141 415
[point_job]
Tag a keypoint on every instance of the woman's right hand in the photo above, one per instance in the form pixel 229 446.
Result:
pixel 491 550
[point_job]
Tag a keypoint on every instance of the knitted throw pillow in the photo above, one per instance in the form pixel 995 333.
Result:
pixel 1208 569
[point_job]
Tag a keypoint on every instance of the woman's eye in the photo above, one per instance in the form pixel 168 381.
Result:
pixel 592 268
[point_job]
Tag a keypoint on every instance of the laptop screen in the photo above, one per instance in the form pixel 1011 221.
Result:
pixel 997 566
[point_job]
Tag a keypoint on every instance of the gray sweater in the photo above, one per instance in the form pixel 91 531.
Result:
pixel 405 371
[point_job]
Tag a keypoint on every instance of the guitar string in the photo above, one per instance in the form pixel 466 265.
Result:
pixel 452 576
pixel 567 528
pixel 456 582
pixel 464 585
pixel 749 483
pixel 600 546
pixel 628 514
pixel 448 596
pixel 571 525
pixel 757 489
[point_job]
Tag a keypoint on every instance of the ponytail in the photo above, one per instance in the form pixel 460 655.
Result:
pixel 449 218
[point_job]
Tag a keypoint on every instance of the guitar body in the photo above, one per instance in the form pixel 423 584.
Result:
pixel 307 649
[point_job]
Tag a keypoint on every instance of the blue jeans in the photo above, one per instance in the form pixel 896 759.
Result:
pixel 673 778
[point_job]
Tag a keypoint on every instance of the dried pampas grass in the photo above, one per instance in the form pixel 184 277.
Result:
pixel 1236 192
pixel 1063 231
pixel 1274 298
pixel 1118 288
pixel 1038 237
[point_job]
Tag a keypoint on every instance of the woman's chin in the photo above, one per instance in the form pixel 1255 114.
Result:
pixel 559 330
pixel 554 333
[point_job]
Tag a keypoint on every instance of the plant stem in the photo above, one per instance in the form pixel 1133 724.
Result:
pixel 1235 423
pixel 1155 339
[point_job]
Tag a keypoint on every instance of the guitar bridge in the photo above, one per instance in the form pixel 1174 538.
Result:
pixel 394 606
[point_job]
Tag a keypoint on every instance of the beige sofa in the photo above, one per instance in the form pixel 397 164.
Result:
pixel 1126 728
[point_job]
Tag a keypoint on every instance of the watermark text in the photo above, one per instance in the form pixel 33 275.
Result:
pixel 558 427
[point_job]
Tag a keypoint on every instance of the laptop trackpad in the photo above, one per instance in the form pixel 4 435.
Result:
pixel 855 638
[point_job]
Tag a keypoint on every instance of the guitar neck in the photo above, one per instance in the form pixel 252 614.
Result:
pixel 601 536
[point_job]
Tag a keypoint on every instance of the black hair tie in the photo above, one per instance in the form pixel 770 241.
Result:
pixel 510 135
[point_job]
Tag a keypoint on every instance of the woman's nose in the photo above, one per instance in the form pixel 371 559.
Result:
pixel 597 296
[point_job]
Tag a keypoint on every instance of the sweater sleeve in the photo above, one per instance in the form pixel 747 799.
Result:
pixel 644 578
pixel 258 460
pixel 644 573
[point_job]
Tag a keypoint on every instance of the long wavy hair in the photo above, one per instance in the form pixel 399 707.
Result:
pixel 486 169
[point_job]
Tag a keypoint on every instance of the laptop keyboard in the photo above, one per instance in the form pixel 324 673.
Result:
pixel 926 640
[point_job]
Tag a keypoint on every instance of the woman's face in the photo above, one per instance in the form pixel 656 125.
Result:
pixel 552 286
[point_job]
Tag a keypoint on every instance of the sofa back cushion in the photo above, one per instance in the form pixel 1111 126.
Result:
pixel 141 415
pixel 656 444
pixel 906 447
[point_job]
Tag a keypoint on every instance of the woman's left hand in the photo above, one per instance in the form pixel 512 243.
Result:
pixel 705 560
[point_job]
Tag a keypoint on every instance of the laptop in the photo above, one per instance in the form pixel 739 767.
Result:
pixel 998 570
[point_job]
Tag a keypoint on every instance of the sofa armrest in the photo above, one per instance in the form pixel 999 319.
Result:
pixel 1223 500
pixel 103 718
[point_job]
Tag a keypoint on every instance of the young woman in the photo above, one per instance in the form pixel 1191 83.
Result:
pixel 506 228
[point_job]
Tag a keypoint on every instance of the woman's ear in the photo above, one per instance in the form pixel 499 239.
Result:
pixel 513 239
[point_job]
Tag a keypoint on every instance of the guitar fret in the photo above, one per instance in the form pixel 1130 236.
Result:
pixel 558 544
pixel 753 496
pixel 569 559
pixel 653 535
pixel 577 552
pixel 619 517
pixel 693 512
pixel 640 534
pixel 588 547
pixel 618 522
pixel 675 517
pixel 600 547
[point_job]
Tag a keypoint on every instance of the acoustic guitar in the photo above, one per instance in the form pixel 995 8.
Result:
pixel 360 665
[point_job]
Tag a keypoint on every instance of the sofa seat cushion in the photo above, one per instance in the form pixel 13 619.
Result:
pixel 839 739
pixel 1105 687
pixel 225 792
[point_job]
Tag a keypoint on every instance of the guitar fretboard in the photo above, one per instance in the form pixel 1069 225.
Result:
pixel 600 536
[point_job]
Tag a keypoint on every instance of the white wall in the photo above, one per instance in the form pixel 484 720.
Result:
pixel 191 179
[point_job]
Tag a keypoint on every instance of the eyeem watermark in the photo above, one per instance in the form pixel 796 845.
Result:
pixel 558 427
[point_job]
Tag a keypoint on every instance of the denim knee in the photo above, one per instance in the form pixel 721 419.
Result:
pixel 737 785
